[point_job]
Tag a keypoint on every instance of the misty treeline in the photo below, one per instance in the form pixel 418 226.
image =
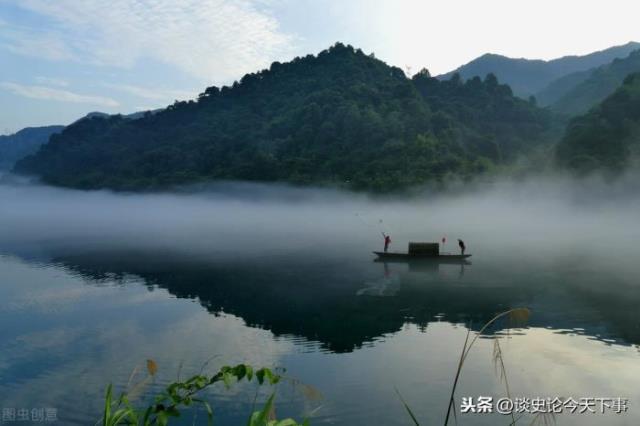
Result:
pixel 606 138
pixel 341 118
pixel 25 142
pixel 577 93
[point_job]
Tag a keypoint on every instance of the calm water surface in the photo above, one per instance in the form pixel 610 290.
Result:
pixel 76 316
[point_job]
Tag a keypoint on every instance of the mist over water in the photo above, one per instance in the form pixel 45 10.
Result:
pixel 542 219
pixel 278 275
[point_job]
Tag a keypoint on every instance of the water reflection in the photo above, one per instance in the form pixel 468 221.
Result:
pixel 96 283
pixel 352 327
pixel 343 304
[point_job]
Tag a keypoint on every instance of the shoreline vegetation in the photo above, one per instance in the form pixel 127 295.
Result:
pixel 182 395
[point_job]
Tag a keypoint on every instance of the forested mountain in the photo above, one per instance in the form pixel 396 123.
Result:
pixel 341 118
pixel 132 116
pixel 25 142
pixel 28 140
pixel 561 86
pixel 607 138
pixel 586 91
pixel 528 76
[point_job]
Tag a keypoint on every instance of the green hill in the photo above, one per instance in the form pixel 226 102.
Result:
pixel 560 87
pixel 530 76
pixel 340 118
pixel 598 84
pixel 28 140
pixel 607 138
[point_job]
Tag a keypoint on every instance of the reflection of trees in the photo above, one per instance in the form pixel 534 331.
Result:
pixel 318 299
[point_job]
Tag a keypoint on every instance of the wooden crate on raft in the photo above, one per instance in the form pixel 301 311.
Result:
pixel 424 248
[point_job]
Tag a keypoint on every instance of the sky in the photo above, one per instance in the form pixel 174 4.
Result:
pixel 60 59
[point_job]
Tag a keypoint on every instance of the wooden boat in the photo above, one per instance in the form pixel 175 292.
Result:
pixel 406 257
pixel 422 252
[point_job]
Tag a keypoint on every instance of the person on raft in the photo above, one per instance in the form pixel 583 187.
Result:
pixel 387 241
pixel 461 245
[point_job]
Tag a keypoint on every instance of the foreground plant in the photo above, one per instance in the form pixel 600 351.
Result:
pixel 517 317
pixel 180 395
pixel 183 394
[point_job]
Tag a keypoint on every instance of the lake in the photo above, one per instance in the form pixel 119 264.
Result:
pixel 94 283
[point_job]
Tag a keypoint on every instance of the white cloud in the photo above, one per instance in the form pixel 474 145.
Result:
pixel 215 40
pixel 51 81
pixel 48 93
pixel 32 41
pixel 153 93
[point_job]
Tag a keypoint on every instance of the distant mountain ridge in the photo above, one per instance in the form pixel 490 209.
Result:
pixel 23 143
pixel 607 138
pixel 584 90
pixel 27 141
pixel 529 76
pixel 560 87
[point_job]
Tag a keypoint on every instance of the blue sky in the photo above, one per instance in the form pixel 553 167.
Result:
pixel 60 59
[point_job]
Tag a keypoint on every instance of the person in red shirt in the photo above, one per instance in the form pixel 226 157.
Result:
pixel 387 241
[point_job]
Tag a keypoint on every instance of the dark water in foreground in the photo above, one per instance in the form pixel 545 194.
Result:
pixel 76 316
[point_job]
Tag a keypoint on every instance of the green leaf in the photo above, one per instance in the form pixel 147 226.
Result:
pixel 273 378
pixel 249 372
pixel 131 413
pixel 162 418
pixel 146 420
pixel 106 417
pixel 260 376
pixel 259 418
pixel 240 371
pixel 119 415
pixel 266 374
pixel 201 382
pixel 285 422
pixel 227 378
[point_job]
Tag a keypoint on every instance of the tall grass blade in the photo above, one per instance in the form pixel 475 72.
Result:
pixel 516 315
pixel 406 407
pixel 455 381
pixel 498 363
pixel 107 407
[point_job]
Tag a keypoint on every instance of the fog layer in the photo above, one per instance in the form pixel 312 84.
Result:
pixel 535 219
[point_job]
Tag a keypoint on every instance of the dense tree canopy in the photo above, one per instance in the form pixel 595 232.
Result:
pixel 607 138
pixel 588 91
pixel 341 117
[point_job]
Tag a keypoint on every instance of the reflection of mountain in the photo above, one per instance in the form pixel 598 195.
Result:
pixel 318 300
pixel 315 300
